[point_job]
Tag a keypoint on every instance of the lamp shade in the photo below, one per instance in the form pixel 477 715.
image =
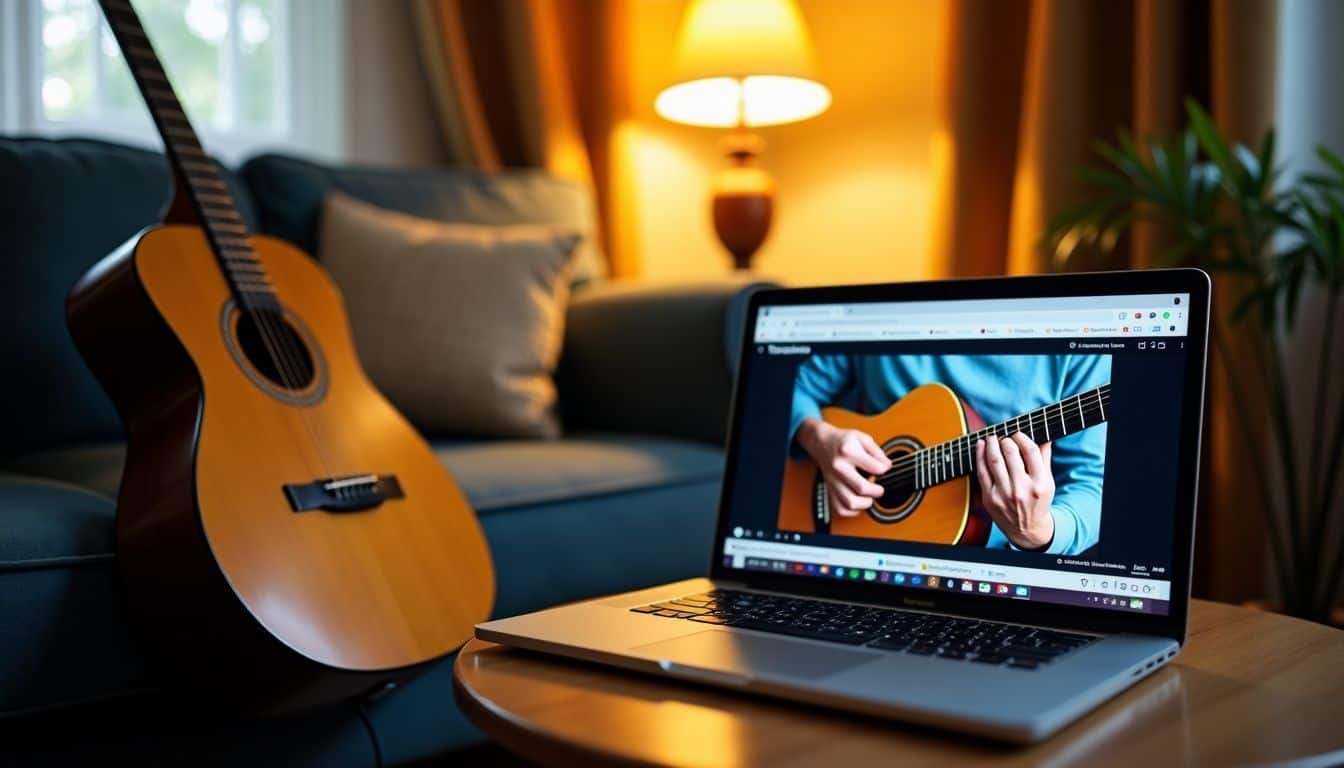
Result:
pixel 743 62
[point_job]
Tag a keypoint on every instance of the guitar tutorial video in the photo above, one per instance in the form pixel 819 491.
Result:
pixel 995 451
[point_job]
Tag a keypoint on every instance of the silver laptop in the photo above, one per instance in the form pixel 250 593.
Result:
pixel 967 504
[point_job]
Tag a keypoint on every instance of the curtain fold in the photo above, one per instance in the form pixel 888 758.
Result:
pixel 503 84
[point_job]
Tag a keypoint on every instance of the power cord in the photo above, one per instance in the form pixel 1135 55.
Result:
pixel 361 709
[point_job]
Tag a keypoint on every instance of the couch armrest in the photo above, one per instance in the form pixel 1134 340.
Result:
pixel 652 359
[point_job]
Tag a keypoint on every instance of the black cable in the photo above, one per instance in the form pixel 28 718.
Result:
pixel 360 710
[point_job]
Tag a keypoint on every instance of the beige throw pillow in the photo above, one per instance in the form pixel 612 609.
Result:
pixel 459 325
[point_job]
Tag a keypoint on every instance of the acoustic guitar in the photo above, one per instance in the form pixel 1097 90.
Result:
pixel 285 535
pixel 930 437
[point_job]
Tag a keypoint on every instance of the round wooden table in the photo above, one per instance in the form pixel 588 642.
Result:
pixel 1249 688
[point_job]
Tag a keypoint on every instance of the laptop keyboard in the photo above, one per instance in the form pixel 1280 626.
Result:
pixel 921 634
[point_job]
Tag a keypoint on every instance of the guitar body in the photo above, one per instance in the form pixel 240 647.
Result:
pixel 275 608
pixel 940 514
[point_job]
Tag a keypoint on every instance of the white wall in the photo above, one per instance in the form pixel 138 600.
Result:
pixel 388 111
pixel 1309 111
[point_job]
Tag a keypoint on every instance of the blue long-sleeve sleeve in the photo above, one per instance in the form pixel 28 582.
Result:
pixel 821 381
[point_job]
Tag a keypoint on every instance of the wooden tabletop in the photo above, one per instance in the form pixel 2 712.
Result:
pixel 1249 688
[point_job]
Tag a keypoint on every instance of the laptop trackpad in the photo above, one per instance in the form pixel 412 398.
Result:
pixel 756 656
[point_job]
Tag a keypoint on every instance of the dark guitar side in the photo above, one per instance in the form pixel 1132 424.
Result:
pixel 197 582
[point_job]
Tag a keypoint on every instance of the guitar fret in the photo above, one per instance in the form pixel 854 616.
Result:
pixel 235 246
pixel 225 211
pixel 208 183
pixel 215 198
pixel 229 229
pixel 165 94
pixel 1101 406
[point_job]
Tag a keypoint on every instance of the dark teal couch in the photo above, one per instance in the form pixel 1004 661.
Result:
pixel 626 499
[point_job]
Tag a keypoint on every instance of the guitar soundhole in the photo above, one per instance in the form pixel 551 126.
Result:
pixel 898 492
pixel 900 496
pixel 275 349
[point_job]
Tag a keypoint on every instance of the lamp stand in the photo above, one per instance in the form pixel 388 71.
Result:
pixel 743 198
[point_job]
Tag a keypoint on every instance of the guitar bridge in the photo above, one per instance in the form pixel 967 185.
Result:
pixel 343 494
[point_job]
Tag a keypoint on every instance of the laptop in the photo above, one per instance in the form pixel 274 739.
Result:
pixel 967 504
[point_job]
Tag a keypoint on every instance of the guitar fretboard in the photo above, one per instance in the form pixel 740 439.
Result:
pixel 956 458
pixel 193 171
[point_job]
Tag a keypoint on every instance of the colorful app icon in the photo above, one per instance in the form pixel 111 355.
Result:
pixel 950 583
pixel 797 567
pixel 1000 589
pixel 1138 315
pixel 898 578
pixel 870 575
pixel 811 568
pixel 825 570
pixel 853 574
pixel 967 586
pixel 884 577
pixel 1166 315
pixel 840 573
pixel 1124 329
pixel 933 581
pixel 1136 603
pixel 984 586
pixel 917 581
pixel 1020 591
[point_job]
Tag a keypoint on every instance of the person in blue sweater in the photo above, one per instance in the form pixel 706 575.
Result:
pixel 1043 498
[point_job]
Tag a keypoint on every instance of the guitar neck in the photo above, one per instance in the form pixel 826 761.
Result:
pixel 195 175
pixel 956 458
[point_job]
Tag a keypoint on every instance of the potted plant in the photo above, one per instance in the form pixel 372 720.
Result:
pixel 1267 240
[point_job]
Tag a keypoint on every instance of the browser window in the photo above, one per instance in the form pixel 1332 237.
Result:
pixel 1008 449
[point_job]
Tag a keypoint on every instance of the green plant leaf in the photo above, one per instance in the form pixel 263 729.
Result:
pixel 1211 141
pixel 1100 177
pixel 1332 160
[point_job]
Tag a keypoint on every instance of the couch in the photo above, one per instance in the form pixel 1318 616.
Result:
pixel 625 499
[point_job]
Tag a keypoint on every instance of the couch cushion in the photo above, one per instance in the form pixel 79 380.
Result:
pixel 64 204
pixel 95 467
pixel 495 474
pixel 63 634
pixel 289 194
pixel 459 325
pixel 506 474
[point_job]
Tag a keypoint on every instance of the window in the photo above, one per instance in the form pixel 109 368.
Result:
pixel 251 74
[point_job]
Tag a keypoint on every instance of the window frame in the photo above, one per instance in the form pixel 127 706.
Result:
pixel 311 104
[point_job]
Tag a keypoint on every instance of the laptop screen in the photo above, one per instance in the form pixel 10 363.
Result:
pixel 1006 449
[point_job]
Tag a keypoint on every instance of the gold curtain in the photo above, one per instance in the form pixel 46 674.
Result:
pixel 502 82
pixel 1031 86
pixel 527 84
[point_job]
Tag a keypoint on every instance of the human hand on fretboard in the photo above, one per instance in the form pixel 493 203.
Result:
pixel 1017 488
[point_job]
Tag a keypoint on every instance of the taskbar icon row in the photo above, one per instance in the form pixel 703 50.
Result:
pixel 893 578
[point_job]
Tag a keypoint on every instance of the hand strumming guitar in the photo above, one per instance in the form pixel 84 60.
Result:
pixel 846 457
pixel 1017 487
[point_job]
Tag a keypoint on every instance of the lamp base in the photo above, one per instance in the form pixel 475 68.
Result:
pixel 743 199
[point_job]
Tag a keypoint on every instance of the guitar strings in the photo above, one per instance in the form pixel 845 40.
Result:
pixel 910 466
pixel 1089 398
pixel 966 441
